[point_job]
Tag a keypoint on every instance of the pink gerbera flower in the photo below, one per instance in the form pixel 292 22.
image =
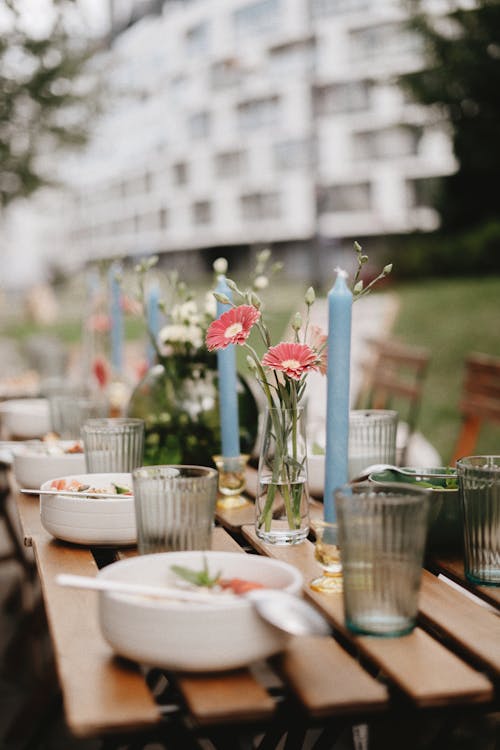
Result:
pixel 317 341
pixel 292 359
pixel 233 327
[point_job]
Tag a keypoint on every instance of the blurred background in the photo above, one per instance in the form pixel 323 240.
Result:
pixel 195 129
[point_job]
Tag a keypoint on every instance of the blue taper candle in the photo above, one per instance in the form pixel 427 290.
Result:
pixel 337 399
pixel 116 316
pixel 228 397
pixel 153 313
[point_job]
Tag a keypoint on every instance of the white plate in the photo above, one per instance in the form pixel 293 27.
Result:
pixel 33 465
pixel 187 636
pixel 25 417
pixel 88 520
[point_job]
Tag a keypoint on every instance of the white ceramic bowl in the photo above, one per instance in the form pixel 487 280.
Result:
pixel 33 465
pixel 86 520
pixel 189 636
pixel 25 418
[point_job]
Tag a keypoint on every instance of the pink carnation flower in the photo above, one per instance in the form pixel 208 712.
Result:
pixel 233 327
pixel 292 359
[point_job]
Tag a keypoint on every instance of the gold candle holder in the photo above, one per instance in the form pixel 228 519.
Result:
pixel 232 481
pixel 327 553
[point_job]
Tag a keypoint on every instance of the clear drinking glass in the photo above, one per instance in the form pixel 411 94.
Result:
pixel 174 507
pixel 113 445
pixel 69 411
pixel 372 439
pixel 382 533
pixel 479 487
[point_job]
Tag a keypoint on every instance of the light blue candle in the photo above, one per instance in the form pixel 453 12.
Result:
pixel 337 400
pixel 116 316
pixel 228 398
pixel 153 314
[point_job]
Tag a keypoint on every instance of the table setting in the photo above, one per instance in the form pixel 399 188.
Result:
pixel 357 564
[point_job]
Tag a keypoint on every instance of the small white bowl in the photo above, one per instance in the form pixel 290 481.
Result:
pixel 33 465
pixel 25 418
pixel 86 520
pixel 188 636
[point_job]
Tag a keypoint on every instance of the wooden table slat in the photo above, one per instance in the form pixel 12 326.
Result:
pixel 454 569
pixel 101 694
pixel 472 627
pixel 328 681
pixel 419 665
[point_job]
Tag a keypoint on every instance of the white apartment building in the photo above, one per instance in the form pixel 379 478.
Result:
pixel 235 122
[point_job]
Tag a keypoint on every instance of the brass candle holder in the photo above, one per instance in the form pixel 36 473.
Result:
pixel 232 481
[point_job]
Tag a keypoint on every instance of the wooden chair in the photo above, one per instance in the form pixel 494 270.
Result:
pixel 480 401
pixel 395 380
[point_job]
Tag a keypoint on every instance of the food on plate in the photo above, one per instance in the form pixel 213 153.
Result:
pixel 74 485
pixel 202 578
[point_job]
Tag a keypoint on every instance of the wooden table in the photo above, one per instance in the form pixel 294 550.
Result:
pixel 450 664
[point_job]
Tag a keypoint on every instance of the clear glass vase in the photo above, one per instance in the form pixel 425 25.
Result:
pixel 282 503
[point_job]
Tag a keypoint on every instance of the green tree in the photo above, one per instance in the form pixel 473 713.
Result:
pixel 47 95
pixel 462 77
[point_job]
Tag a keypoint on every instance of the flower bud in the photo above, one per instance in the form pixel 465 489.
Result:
pixel 387 269
pixel 251 364
pixel 264 255
pixel 220 265
pixel 261 282
pixel 222 298
pixel 297 322
pixel 231 284
pixel 255 300
pixel 357 247
pixel 310 296
pixel 358 288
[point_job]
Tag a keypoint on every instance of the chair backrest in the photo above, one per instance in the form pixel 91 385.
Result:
pixel 480 401
pixel 395 381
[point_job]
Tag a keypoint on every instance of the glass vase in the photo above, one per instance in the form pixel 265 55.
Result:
pixel 282 503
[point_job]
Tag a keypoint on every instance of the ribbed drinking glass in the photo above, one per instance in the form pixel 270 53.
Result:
pixel 479 488
pixel 113 445
pixel 382 533
pixel 174 507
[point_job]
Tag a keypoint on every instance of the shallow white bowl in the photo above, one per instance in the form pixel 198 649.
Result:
pixel 86 520
pixel 189 636
pixel 33 466
pixel 25 417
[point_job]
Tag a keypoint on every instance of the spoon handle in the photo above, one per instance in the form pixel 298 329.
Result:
pixel 140 589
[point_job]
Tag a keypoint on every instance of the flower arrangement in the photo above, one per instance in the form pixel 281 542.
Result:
pixel 282 374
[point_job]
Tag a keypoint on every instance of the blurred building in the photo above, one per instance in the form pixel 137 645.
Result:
pixel 235 122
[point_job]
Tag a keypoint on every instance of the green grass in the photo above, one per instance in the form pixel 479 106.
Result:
pixel 451 318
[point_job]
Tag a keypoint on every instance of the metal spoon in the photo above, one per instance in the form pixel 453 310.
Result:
pixel 422 473
pixel 280 608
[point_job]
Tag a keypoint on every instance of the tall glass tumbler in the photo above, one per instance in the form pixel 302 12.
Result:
pixel 372 439
pixel 382 533
pixel 113 445
pixel 69 411
pixel 174 507
pixel 479 488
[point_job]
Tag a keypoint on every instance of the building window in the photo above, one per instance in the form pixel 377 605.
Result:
pixel 225 73
pixel 199 125
pixel 180 172
pixel 230 164
pixel 197 40
pixel 423 192
pixel 255 206
pixel 257 18
pixel 389 143
pixel 352 197
pixel 294 57
pixel 259 113
pixel 202 212
pixel 322 8
pixel 385 40
pixel 293 154
pixel 337 98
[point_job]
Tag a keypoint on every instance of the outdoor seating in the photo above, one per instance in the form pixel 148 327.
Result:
pixel 479 402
